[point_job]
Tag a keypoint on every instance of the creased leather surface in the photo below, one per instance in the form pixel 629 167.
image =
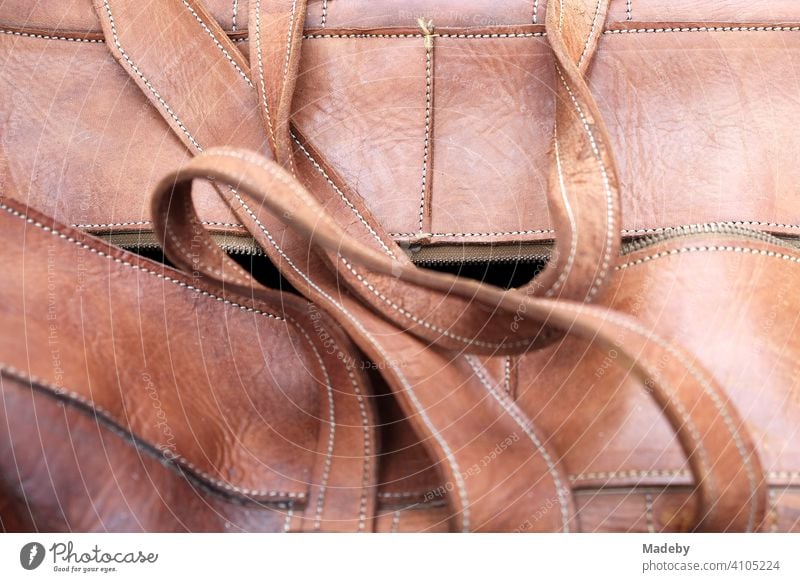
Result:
pixel 491 122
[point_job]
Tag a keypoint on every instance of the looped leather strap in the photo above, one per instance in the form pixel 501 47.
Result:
pixel 459 417
pixel 728 475
pixel 582 196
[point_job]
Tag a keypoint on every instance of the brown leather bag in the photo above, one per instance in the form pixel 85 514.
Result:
pixel 525 409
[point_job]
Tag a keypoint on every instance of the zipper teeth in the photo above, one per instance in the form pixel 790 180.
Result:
pixel 696 229
pixel 465 255
pixel 234 244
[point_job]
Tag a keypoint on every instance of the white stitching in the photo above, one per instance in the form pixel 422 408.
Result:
pixel 147 83
pixel 648 507
pixel 657 473
pixel 395 521
pixel 511 409
pixel 156 274
pixel 219 44
pixel 264 104
pixel 51 37
pixel 460 35
pixel 419 35
pixel 703 29
pixel 146 222
pixel 324 13
pixel 233 18
pixel 472 234
pixel 428 118
pixel 628 231
pixel 362 510
pixel 326 468
pixel 710 248
pixel 629 10
pixel 287 524
pixel 710 392
pixel 344 198
pixel 408 388
pixel 177 459
pixel 591 32
pixel 610 218
pixel 573 246
pixel 507 376
pixel 535 12
pixel 293 186
pixel 289 40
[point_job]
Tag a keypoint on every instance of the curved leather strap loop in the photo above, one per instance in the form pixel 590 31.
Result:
pixel 583 192
pixel 460 420
pixel 583 196
pixel 729 479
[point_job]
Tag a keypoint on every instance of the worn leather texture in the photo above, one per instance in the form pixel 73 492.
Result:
pixel 648 390
pixel 694 119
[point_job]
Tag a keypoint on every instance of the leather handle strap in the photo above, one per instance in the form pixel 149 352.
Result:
pixel 582 195
pixel 730 482
pixel 458 418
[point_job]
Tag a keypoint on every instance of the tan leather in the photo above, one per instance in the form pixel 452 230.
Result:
pixel 492 115
pixel 420 328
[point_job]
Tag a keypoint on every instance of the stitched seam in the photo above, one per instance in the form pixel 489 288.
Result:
pixel 293 186
pixel 424 322
pixel 703 29
pixel 773 510
pixel 419 35
pixel 573 248
pixel 648 506
pixel 643 474
pixel 259 58
pixel 710 248
pixel 326 468
pixel 344 198
pixel 507 375
pixel 395 521
pixel 287 524
pixel 226 260
pixel 591 32
pixel 511 409
pixel 52 37
pixel 408 388
pixel 362 509
pixel 718 403
pixel 147 83
pixel 176 459
pixel 610 221
pixel 426 146
pixel 156 274
pixel 146 222
pixel 402 494
pixel 219 44
pixel 233 18
pixel 289 40
pixel 535 12
pixel 550 230
pixel 324 13
pixel 473 234
pixel 629 10
pixel 459 35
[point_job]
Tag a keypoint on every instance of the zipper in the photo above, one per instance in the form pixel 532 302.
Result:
pixel 444 255
pixel 454 254
pixel 726 228
pixel 236 244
